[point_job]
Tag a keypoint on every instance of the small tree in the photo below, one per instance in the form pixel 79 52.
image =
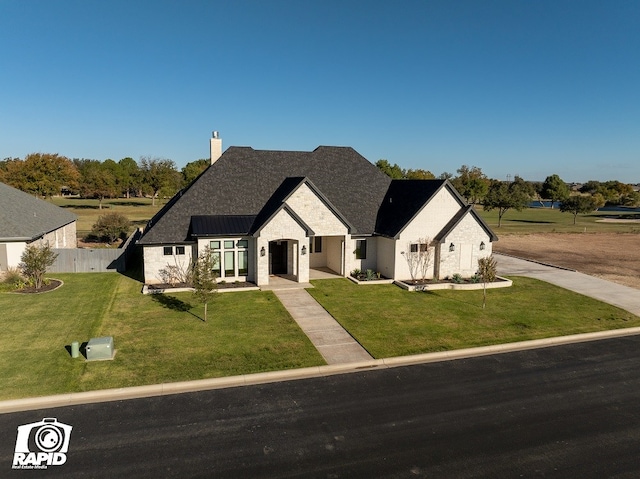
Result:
pixel 204 278
pixel 578 204
pixel 505 196
pixel 34 263
pixel 424 256
pixel 111 226
pixel 412 256
pixel 487 270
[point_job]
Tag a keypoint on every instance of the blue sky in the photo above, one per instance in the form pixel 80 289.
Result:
pixel 530 88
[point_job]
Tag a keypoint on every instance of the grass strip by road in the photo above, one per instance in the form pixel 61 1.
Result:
pixel 389 321
pixel 158 338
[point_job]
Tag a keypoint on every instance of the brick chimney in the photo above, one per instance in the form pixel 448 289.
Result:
pixel 215 147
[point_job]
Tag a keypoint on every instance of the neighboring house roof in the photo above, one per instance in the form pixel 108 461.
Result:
pixel 450 226
pixel 244 181
pixel 26 218
pixel 404 200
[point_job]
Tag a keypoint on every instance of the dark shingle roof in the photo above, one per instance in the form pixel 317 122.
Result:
pixel 404 199
pixel 243 181
pixel 25 218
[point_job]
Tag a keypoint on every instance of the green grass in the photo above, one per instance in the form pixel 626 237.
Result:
pixel 547 220
pixel 389 321
pixel 158 338
pixel 138 210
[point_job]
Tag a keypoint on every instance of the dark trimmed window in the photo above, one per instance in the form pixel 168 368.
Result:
pixel 168 250
pixel 179 249
pixel 317 244
pixel 361 249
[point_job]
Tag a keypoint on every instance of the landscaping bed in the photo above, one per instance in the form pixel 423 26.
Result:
pixel 463 285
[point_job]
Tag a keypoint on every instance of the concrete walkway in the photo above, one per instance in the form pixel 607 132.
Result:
pixel 606 291
pixel 333 342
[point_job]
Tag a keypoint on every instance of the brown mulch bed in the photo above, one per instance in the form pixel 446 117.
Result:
pixel 169 287
pixel 53 284
pixel 611 256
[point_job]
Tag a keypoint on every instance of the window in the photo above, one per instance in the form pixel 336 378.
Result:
pixel 229 263
pixel 228 244
pixel 243 244
pixel 216 263
pixel 243 263
pixel 168 250
pixel 317 246
pixel 361 249
pixel 422 247
pixel 179 249
pixel 214 244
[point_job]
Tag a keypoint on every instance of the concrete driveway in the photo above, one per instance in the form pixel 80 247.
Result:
pixel 612 293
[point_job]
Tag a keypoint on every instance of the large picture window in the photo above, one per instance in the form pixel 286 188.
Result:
pixel 231 257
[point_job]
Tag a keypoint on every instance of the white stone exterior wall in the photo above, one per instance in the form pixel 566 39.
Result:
pixel 155 260
pixel 386 252
pixel 426 224
pixel 370 262
pixel 334 245
pixel 466 238
pixel 315 213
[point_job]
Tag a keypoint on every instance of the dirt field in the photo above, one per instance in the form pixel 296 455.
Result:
pixel 611 256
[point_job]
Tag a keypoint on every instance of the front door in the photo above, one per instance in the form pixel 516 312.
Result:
pixel 278 257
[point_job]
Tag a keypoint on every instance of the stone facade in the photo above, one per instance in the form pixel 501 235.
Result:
pixel 466 239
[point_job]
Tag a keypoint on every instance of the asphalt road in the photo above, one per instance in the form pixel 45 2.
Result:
pixel 567 411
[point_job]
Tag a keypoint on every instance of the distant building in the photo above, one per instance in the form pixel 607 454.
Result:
pixel 26 220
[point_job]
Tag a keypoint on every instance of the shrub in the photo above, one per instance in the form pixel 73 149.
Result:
pixel 355 273
pixel 34 263
pixel 111 226
pixel 457 278
pixel 370 275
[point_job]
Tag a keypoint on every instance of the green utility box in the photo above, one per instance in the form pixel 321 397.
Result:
pixel 75 349
pixel 100 348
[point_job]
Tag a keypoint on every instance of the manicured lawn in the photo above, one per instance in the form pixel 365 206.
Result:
pixel 547 220
pixel 389 321
pixel 158 338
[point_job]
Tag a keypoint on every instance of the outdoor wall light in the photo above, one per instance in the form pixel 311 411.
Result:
pixel 482 245
pixel 262 251
pixel 304 249
pixel 452 247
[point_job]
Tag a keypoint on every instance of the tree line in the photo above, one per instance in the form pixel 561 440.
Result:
pixel 502 196
pixel 50 174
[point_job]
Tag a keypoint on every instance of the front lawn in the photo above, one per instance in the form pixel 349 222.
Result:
pixel 158 338
pixel 389 321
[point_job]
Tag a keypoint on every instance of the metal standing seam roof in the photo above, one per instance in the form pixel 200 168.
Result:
pixel 24 217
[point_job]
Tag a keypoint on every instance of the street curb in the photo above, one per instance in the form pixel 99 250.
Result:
pixel 106 395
